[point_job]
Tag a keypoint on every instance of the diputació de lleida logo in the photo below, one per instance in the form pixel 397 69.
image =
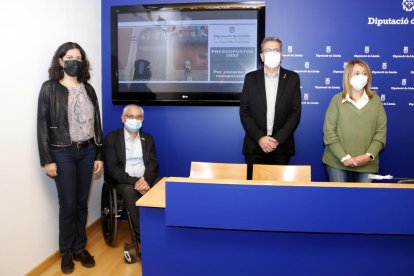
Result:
pixel 408 5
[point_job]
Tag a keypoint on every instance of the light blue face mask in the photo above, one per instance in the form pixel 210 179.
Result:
pixel 133 125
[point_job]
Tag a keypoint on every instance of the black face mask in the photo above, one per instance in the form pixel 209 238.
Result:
pixel 73 67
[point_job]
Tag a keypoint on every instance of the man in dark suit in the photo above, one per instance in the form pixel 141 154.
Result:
pixel 270 109
pixel 130 161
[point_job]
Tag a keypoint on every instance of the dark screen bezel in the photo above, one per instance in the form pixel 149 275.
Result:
pixel 178 97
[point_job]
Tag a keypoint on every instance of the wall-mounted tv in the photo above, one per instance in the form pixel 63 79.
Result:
pixel 184 53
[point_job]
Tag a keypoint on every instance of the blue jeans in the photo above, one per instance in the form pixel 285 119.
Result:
pixel 75 169
pixel 338 175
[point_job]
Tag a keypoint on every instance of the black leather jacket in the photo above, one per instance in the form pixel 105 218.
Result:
pixel 52 120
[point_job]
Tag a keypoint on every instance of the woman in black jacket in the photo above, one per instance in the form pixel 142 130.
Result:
pixel 69 137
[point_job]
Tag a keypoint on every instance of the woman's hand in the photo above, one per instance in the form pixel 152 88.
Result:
pixel 350 163
pixel 97 167
pixel 358 161
pixel 50 169
pixel 361 160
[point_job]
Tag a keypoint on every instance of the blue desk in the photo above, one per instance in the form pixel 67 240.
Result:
pixel 231 227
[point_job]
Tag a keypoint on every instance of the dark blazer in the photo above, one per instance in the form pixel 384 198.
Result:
pixel 53 123
pixel 287 111
pixel 115 158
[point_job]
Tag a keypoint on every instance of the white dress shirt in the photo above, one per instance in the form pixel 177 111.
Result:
pixel 360 103
pixel 134 160
pixel 271 85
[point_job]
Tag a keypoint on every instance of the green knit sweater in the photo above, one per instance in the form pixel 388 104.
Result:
pixel 353 131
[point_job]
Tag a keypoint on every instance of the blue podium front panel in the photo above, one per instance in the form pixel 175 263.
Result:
pixel 290 208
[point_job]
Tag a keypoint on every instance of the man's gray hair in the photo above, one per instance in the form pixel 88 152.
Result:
pixel 132 105
pixel 270 38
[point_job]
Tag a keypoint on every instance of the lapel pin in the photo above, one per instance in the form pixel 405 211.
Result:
pixel 142 138
pixel 284 76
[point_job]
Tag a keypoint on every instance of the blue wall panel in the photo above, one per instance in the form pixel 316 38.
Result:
pixel 202 133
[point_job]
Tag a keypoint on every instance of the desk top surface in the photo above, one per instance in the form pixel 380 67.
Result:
pixel 156 196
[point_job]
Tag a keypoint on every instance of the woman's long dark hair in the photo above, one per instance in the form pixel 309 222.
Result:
pixel 56 71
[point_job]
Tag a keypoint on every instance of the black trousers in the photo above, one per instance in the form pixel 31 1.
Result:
pixel 267 159
pixel 73 182
pixel 130 196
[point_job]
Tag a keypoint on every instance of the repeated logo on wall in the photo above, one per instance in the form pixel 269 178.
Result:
pixel 390 57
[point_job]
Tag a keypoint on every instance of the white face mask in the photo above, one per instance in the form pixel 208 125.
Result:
pixel 272 59
pixel 133 125
pixel 358 82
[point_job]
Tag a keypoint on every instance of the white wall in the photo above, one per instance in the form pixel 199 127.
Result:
pixel 30 32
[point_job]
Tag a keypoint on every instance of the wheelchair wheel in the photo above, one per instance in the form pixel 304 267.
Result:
pixel 109 213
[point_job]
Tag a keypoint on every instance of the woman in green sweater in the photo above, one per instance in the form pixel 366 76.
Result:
pixel 355 127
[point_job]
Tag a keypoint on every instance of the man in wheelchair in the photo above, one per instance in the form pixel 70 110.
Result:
pixel 131 162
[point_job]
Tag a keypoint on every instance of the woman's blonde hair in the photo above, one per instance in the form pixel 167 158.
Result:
pixel 346 86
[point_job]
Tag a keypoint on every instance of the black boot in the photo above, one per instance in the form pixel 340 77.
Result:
pixel 85 258
pixel 67 266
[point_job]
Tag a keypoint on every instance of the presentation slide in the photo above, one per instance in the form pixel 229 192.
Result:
pixel 193 51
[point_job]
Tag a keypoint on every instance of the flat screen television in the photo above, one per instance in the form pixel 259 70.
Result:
pixel 184 53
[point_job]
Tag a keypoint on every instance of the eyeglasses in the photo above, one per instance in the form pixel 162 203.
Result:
pixel 130 116
pixel 265 51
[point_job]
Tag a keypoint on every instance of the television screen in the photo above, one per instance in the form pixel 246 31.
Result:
pixel 184 53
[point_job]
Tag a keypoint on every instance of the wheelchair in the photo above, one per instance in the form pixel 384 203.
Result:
pixel 112 210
